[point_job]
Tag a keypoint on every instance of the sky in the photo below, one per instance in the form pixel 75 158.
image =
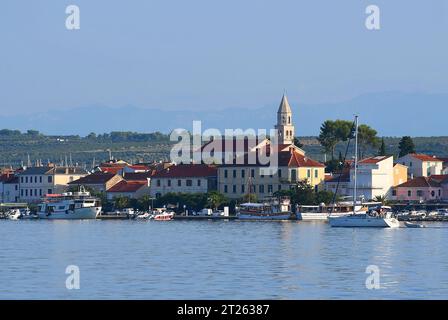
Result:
pixel 215 54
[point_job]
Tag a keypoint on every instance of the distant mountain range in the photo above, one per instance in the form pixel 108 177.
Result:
pixel 390 113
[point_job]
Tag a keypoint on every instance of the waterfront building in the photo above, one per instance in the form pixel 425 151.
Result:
pixel 421 165
pixel 36 182
pixel 243 177
pixel 184 178
pixel 9 188
pixel 422 189
pixel 376 177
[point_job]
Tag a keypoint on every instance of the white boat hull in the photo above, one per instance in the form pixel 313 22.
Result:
pixel 317 216
pixel 81 213
pixel 272 217
pixel 359 221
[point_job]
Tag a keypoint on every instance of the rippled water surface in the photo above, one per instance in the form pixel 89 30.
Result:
pixel 219 260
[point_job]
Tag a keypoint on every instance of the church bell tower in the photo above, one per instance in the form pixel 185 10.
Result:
pixel 284 127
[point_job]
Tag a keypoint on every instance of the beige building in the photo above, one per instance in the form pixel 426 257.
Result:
pixel 36 182
pixel 184 178
pixel 421 165
pixel 237 180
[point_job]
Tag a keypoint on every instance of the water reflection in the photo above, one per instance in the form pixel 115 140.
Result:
pixel 219 260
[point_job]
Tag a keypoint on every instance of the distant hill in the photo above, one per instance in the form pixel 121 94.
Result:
pixel 134 147
pixel 391 113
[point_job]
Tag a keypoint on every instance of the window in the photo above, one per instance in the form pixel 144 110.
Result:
pixel 21 179
pixel 279 187
pixel 316 173
pixel 26 179
pixel 179 183
pixel 293 174
pixel 225 173
pixel 40 179
pixel 26 192
pixel 199 182
pixel 394 193
pixel 50 191
pixel 243 188
pixel 50 179
pixel 252 173
pixel 308 173
pixel 234 173
pixel 243 173
pixel 225 188
pixel 35 192
pixel 433 193
pixel 410 164
pixel 419 193
pixel 189 183
pixel 40 192
pixel 440 193
pixel 279 173
pixel 261 188
pixel 270 188
pixel 158 182
pixel 169 183
pixel 234 188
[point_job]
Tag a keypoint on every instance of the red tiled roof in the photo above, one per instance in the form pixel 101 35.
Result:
pixel 441 178
pixel 127 186
pixel 425 157
pixel 290 158
pixel 420 182
pixel 137 176
pixel 298 160
pixel 374 160
pixel 94 178
pixel 187 170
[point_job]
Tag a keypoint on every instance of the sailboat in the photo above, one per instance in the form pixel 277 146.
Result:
pixel 380 218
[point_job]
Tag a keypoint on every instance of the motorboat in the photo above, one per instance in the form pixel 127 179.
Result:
pixel 69 205
pixel 273 209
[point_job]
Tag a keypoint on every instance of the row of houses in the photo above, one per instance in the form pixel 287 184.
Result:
pixel 238 169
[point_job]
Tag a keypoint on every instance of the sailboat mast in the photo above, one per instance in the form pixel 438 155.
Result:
pixel 355 176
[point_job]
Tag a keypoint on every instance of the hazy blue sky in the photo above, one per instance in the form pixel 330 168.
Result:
pixel 216 53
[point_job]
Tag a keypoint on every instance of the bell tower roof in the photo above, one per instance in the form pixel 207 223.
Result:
pixel 284 105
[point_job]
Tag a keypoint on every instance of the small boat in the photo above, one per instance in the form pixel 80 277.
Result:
pixel 413 225
pixel 20 214
pixel 14 214
pixel 160 214
pixel 274 209
pixel 144 216
pixel 165 216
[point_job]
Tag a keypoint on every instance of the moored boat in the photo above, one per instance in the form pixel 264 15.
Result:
pixel 70 205
pixel 274 209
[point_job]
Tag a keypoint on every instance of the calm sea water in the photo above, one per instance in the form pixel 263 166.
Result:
pixel 219 260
